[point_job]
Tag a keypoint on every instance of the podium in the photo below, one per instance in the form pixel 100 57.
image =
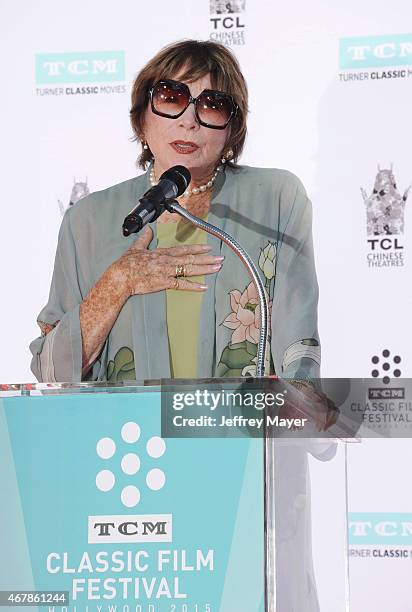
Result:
pixel 103 512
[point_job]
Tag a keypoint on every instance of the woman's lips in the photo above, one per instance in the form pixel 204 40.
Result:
pixel 184 147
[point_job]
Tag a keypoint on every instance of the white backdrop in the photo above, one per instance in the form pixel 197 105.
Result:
pixel 310 113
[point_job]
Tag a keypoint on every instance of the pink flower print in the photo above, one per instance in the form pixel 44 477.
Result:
pixel 245 316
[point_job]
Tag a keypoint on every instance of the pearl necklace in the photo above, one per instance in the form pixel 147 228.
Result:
pixel 189 192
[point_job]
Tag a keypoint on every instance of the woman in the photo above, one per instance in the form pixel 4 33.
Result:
pixel 119 308
pixel 175 302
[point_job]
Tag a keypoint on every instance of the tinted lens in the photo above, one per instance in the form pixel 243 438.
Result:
pixel 170 99
pixel 214 108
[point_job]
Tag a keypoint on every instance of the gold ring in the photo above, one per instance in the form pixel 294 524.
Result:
pixel 180 271
pixel 176 284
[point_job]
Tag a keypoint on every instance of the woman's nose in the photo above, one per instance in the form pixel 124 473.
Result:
pixel 188 119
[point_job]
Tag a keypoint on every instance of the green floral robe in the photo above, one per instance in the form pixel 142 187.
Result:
pixel 266 210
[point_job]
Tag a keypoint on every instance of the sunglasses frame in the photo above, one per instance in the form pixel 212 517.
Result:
pixel 193 100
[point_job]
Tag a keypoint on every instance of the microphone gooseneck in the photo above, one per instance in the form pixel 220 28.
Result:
pixel 269 450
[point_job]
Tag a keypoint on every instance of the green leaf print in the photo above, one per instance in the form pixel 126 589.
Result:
pixel 122 367
pixel 235 357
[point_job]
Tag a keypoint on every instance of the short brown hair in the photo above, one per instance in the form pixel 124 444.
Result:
pixel 198 58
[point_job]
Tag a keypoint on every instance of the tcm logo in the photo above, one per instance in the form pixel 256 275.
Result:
pixel 389 393
pixel 375 51
pixel 133 528
pixel 88 67
pixel 380 528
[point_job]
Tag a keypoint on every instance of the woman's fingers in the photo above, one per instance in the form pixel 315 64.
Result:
pixel 149 271
pixel 148 263
pixel 196 260
pixel 183 284
pixel 143 240
pixel 195 270
pixel 185 253
pixel 178 251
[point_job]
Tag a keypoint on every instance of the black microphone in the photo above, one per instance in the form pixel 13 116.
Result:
pixel 171 185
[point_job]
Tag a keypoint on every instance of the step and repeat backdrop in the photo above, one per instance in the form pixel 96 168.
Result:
pixel 330 97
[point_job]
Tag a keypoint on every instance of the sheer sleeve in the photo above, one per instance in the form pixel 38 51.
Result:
pixel 295 339
pixel 57 352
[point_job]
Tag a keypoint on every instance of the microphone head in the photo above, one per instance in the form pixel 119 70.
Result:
pixel 180 176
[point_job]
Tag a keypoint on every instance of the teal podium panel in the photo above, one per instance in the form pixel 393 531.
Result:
pixel 96 503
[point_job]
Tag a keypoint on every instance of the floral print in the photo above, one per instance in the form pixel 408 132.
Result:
pixel 245 316
pixel 239 357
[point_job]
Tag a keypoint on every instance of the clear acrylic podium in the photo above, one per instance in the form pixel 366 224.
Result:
pixel 99 506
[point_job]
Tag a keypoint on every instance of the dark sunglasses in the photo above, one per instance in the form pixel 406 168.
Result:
pixel 213 109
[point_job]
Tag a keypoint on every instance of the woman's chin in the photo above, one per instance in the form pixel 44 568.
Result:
pixel 180 160
pixel 197 169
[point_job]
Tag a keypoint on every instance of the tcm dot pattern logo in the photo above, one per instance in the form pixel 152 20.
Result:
pixel 386 366
pixel 130 463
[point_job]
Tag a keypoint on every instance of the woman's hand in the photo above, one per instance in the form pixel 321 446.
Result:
pixel 136 272
pixel 140 270
pixel 305 401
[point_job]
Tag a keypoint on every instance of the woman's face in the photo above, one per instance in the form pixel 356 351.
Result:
pixel 183 141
